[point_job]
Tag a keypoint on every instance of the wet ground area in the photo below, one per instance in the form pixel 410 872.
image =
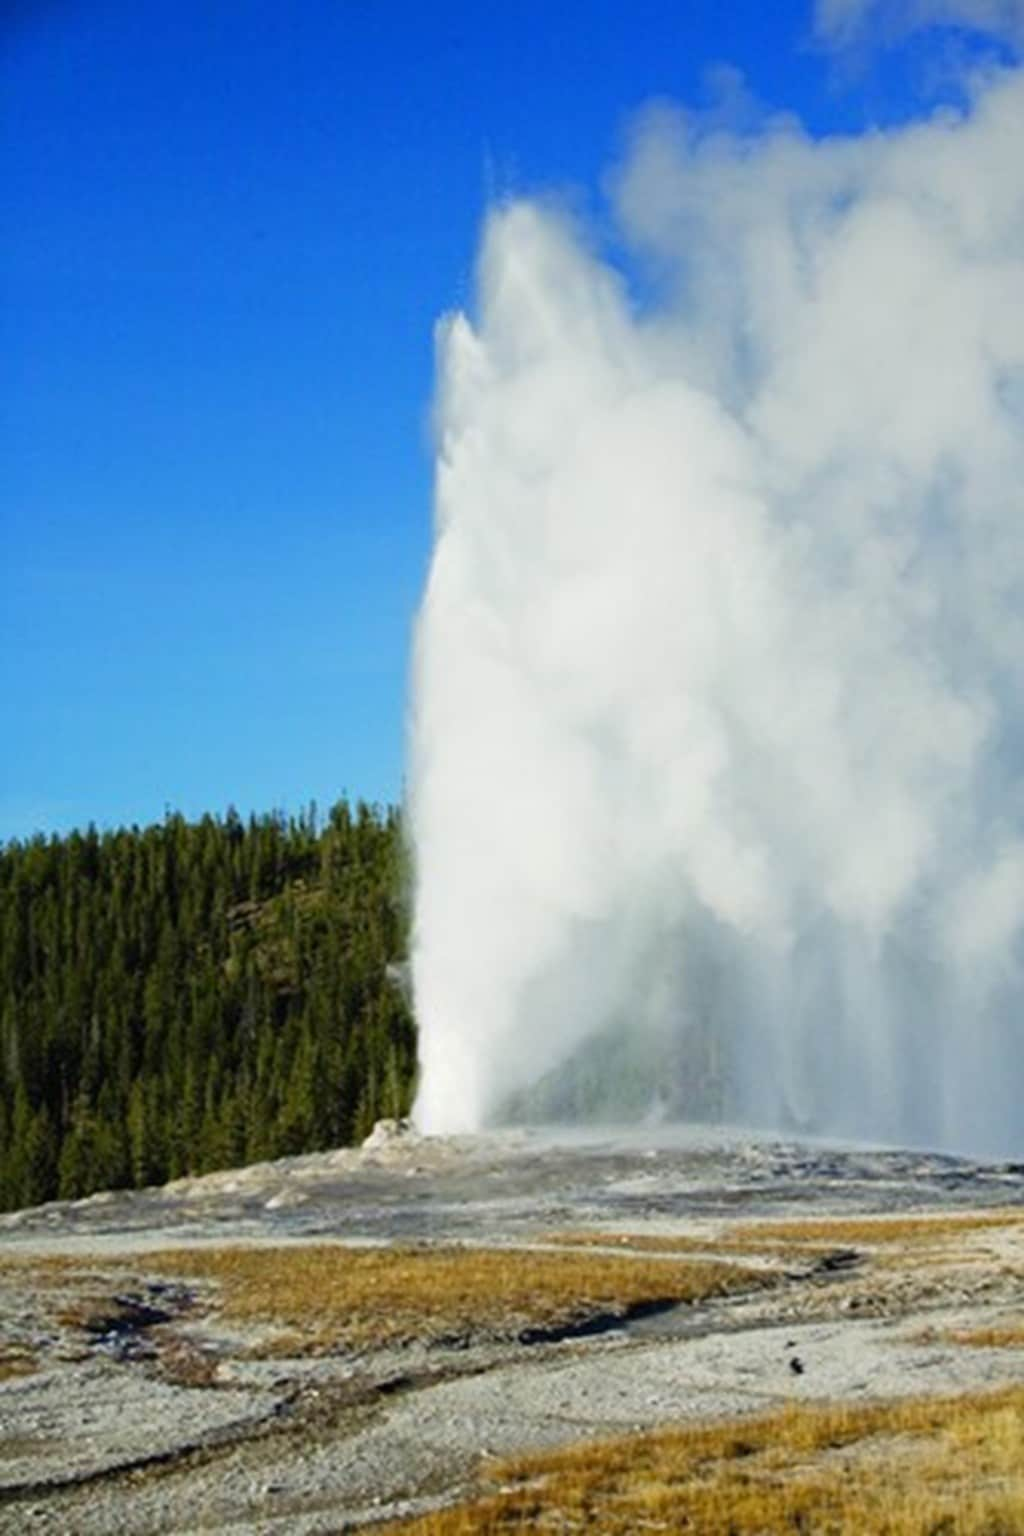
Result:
pixel 520 1181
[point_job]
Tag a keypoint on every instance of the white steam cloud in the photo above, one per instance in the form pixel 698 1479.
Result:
pixel 842 21
pixel 716 759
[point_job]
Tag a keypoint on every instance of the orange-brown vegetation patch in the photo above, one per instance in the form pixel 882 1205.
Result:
pixel 1005 1335
pixel 326 1296
pixel 947 1467
pixel 16 1362
pixel 880 1229
pixel 799 1240
pixel 729 1243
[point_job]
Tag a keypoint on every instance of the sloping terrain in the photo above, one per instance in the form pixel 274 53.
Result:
pixel 365 1336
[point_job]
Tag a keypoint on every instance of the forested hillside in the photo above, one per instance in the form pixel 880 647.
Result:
pixel 197 995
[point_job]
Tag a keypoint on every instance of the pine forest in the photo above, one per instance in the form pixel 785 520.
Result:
pixel 198 995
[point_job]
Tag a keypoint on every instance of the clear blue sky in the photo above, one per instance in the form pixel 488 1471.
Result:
pixel 227 231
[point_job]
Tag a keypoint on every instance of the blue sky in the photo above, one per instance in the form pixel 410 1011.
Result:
pixel 227 232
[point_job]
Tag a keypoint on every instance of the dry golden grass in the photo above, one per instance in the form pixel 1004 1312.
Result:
pixel 1009 1335
pixel 735 1245
pixel 927 1238
pixel 84 1312
pixel 185 1365
pixel 589 1237
pixel 327 1296
pixel 16 1362
pixel 14 1266
pixel 953 1466
pixel 879 1229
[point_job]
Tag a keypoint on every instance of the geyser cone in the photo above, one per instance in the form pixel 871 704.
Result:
pixel 716 743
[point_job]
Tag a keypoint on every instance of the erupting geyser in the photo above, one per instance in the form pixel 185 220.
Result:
pixel 718 717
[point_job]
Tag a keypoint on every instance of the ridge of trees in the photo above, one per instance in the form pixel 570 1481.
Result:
pixel 198 995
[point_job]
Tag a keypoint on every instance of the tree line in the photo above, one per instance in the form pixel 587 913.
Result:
pixel 197 995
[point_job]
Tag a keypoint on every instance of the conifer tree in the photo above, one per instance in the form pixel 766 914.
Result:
pixel 189 995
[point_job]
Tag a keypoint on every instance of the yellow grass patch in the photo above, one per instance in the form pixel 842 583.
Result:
pixel 879 1229
pixel 49 1268
pixel 16 1362
pixel 954 1466
pixel 326 1296
pixel 1009 1335
pixel 736 1245
pixel 795 1241
pixel 590 1237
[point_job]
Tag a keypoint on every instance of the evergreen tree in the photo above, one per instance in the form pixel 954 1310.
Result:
pixel 186 996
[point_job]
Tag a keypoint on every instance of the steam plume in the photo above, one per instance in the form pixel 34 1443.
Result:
pixel 840 22
pixel 718 707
